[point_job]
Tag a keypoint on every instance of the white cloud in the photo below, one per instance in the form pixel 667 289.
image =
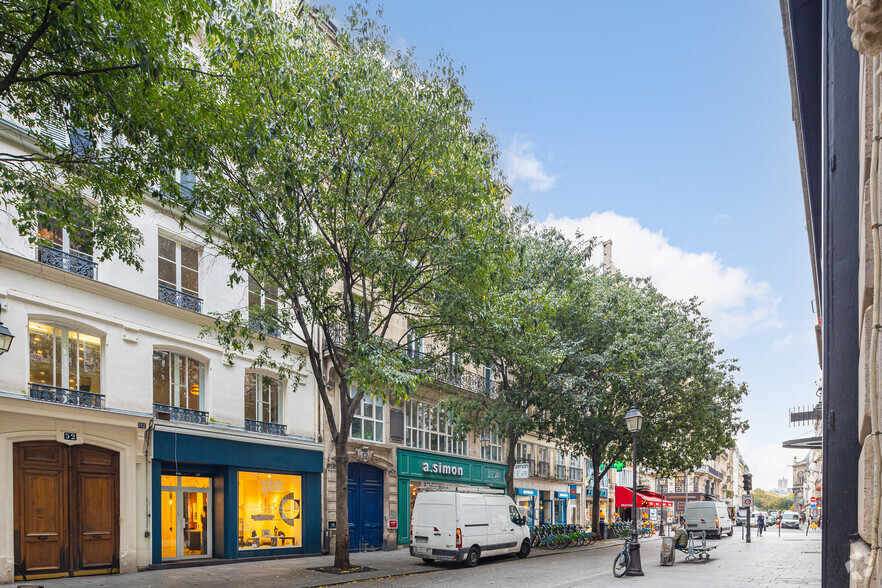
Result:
pixel 520 165
pixel 782 343
pixel 735 302
pixel 721 217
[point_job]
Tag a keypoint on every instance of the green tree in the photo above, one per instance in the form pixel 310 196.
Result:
pixel 90 80
pixel 632 346
pixel 506 319
pixel 341 173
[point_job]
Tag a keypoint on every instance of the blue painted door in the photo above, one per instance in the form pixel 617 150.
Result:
pixel 365 507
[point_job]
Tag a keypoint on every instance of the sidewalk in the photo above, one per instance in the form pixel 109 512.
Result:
pixel 292 572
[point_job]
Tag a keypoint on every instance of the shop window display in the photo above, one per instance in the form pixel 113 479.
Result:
pixel 269 510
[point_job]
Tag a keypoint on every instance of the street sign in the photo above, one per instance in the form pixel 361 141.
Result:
pixel 747 500
pixel 812 500
pixel 521 471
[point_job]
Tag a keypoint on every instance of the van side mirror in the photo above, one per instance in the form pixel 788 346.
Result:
pixel 522 521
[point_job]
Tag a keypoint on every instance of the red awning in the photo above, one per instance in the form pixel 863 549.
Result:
pixel 624 499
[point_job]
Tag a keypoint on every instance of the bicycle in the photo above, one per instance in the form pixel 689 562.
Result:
pixel 623 559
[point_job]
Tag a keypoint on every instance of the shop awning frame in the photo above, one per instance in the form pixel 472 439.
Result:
pixel 645 499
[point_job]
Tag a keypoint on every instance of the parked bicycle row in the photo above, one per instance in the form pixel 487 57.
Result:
pixel 561 536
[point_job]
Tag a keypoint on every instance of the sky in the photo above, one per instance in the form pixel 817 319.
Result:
pixel 666 127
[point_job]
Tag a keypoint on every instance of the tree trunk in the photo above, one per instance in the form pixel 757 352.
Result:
pixel 341 461
pixel 510 460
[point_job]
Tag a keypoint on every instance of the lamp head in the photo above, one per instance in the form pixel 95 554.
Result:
pixel 634 420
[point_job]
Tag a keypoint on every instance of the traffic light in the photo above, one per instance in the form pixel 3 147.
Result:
pixel 748 482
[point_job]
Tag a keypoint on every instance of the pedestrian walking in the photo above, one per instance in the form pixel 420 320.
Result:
pixel 760 523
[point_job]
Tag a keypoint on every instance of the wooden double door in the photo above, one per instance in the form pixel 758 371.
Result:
pixel 66 509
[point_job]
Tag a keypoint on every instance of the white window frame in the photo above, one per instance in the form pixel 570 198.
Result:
pixel 258 403
pixel 426 423
pixel 65 375
pixel 178 262
pixel 377 406
pixel 176 389
pixel 493 451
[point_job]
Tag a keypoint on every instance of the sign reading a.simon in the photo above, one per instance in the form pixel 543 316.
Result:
pixel 438 468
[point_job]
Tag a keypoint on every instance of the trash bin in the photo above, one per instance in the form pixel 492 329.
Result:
pixel 667 551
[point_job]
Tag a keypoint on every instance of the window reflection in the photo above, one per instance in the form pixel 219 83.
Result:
pixel 269 510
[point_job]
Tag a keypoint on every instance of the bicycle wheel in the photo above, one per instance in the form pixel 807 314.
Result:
pixel 620 565
pixel 563 542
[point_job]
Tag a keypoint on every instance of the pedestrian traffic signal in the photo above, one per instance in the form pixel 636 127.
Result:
pixel 748 482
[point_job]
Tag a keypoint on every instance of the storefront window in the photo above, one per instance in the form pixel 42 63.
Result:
pixel 426 427
pixel 64 358
pixel 269 510
pixel 367 423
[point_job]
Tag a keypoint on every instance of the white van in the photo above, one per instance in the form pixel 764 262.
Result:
pixel 453 526
pixel 709 516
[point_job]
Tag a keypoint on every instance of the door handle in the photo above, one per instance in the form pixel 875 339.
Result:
pixel 42 537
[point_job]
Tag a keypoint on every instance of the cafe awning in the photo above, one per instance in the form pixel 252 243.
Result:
pixel 645 499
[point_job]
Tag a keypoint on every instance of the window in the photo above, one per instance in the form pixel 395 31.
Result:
pixel 179 274
pixel 269 510
pixel 514 515
pixel 262 299
pixel 414 345
pixel 523 450
pixel 261 398
pixel 178 380
pixel 489 385
pixel 64 358
pixel 367 424
pixel 71 252
pixel 427 427
pixel 492 451
pixel 455 367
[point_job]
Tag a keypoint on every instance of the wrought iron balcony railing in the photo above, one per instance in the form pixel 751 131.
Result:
pixel 66 396
pixel 75 263
pixel 265 427
pixel 263 326
pixel 182 299
pixel 177 413
pixel 543 469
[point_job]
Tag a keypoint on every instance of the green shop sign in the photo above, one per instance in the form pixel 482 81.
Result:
pixel 431 467
pixel 413 464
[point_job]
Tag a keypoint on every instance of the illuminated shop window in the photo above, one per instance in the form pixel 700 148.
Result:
pixel 269 511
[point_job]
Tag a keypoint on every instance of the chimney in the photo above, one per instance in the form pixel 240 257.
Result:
pixel 608 266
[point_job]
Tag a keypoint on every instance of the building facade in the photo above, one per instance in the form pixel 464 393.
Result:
pixel 126 438
pixel 550 484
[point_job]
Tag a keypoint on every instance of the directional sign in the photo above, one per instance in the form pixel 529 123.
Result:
pixel 747 500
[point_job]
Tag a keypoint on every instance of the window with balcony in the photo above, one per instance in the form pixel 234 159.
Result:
pixel 426 427
pixel 179 386
pixel 489 384
pixel 367 424
pixel 179 274
pixel 543 466
pixel 415 345
pixel 64 365
pixel 492 450
pixel 262 404
pixel 68 251
pixel 262 304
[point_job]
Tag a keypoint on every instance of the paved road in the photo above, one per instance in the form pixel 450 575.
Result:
pixel 790 560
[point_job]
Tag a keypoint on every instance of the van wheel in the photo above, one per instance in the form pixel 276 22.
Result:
pixel 428 560
pixel 473 556
pixel 524 551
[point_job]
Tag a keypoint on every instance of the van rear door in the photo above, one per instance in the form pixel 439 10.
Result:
pixel 434 521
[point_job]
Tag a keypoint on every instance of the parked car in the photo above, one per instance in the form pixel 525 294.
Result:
pixel 790 520
pixel 709 516
pixel 455 526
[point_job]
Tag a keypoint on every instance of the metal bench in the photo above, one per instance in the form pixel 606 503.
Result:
pixel 696 552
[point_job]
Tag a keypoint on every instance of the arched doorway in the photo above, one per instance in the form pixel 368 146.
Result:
pixel 365 507
pixel 66 505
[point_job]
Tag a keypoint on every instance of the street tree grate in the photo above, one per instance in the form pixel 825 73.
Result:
pixel 339 572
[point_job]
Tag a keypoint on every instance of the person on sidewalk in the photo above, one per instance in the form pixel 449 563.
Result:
pixel 681 538
pixel 760 523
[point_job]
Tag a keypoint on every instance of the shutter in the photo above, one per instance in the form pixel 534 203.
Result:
pixel 396 424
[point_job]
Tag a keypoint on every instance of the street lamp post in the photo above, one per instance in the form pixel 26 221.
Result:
pixel 634 422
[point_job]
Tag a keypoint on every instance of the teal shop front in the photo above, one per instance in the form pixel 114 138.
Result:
pixel 419 471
